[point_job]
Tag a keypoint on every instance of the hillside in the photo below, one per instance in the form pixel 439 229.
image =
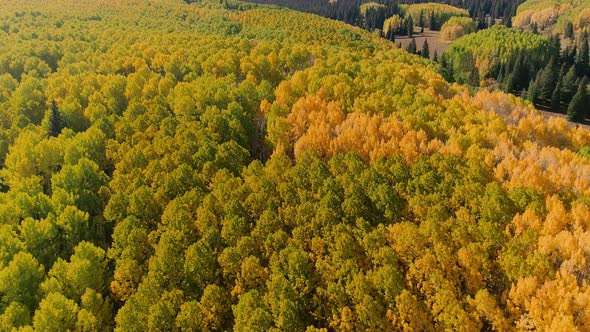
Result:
pixel 553 15
pixel 440 12
pixel 230 166
pixel 486 53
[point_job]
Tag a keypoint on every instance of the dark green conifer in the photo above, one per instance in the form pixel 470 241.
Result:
pixel 425 49
pixel 432 21
pixel 582 57
pixel 55 121
pixel 412 46
pixel 421 20
pixel 533 91
pixel 509 84
pixel 548 79
pixel 556 98
pixel 569 30
pixel 576 110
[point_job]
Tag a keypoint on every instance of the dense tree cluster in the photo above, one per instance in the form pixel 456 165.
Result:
pixel 457 27
pixel 169 167
pixel 491 52
pixel 349 11
pixel 431 15
pixel 553 16
pixel 527 64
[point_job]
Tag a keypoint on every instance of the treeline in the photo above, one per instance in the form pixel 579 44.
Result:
pixel 552 17
pixel 430 17
pixel 562 85
pixel 530 66
pixel 349 10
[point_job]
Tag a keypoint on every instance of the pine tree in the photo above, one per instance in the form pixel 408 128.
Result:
pixel 55 121
pixel 569 85
pixel 569 30
pixel 509 84
pixel 548 78
pixel 556 41
pixel 481 21
pixel 432 21
pixel 435 56
pixel 500 77
pixel 569 55
pixel 447 68
pixel 533 91
pixel 412 46
pixel 556 98
pixel 582 57
pixel 519 72
pixel 421 20
pixel 410 26
pixel 577 107
pixel 425 49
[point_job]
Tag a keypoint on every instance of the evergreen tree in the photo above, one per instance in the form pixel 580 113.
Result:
pixel 432 21
pixel 520 74
pixel 425 49
pixel 569 30
pixel 535 29
pixel 577 107
pixel 556 41
pixel 583 55
pixel 556 98
pixel 410 26
pixel 447 69
pixel 481 21
pixel 500 76
pixel 55 121
pixel 435 56
pixel 507 21
pixel 421 20
pixel 569 55
pixel 412 46
pixel 509 84
pixel 569 85
pixel 548 78
pixel 533 91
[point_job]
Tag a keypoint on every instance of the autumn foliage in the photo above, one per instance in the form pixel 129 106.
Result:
pixel 225 166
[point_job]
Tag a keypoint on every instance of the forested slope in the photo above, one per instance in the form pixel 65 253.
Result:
pixel 553 15
pixel 218 166
pixel 349 11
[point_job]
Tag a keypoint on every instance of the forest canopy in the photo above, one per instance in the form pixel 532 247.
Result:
pixel 479 55
pixel 457 27
pixel 553 15
pixel 440 11
pixel 229 166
